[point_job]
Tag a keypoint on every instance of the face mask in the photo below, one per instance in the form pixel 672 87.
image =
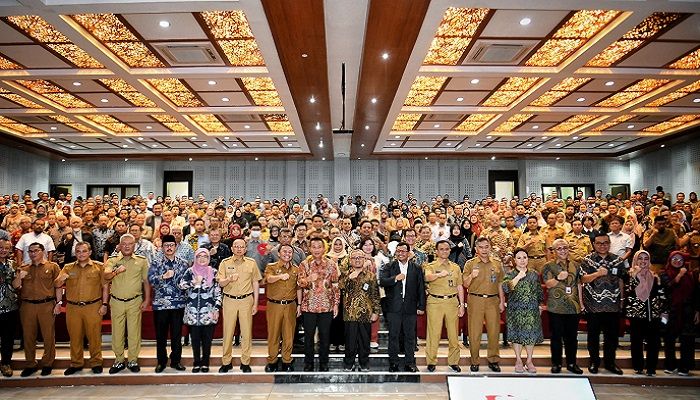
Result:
pixel 255 234
pixel 333 216
pixel 503 224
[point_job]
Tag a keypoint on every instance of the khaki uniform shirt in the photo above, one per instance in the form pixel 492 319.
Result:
pixel 282 290
pixel 129 283
pixel 446 285
pixel 84 283
pixel 579 246
pixel 538 248
pixel 38 284
pixel 247 270
pixel 552 234
pixel 490 276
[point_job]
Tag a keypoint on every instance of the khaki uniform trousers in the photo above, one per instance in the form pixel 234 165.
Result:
pixel 538 264
pixel 478 309
pixel 126 315
pixel 437 311
pixel 281 321
pixel 84 321
pixel 34 318
pixel 238 311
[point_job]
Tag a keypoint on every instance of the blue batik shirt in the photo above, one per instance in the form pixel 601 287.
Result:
pixel 167 295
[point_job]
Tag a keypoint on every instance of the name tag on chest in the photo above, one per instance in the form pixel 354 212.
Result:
pixel 365 287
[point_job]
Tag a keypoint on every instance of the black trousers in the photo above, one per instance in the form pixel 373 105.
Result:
pixel 338 327
pixel 8 325
pixel 608 323
pixel 357 343
pixel 202 336
pixel 687 361
pixel 322 321
pixel 641 329
pixel 564 328
pixel 402 328
pixel 168 321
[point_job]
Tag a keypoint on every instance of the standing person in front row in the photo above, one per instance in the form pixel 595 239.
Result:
pixel 445 303
pixel 169 300
pixel 202 309
pixel 239 277
pixel 318 279
pixel 482 278
pixel 9 316
pixel 360 309
pixel 404 285
pixel 40 303
pixel 283 298
pixel 563 303
pixel 602 274
pixel 523 313
pixel 645 304
pixel 130 294
pixel 87 296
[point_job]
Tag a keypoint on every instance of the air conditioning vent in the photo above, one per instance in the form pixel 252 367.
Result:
pixel 189 54
pixel 506 52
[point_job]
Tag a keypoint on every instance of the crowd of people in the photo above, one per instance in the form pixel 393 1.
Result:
pixel 334 268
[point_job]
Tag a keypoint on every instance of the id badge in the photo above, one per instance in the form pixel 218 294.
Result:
pixel 450 283
pixel 568 290
pixel 493 278
pixel 365 287
pixel 614 271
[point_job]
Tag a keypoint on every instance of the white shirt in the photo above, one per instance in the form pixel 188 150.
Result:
pixel 619 244
pixel 404 271
pixel 28 238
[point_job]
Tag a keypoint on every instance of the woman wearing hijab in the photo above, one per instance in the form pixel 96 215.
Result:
pixel 339 254
pixel 238 219
pixel 163 229
pixel 461 250
pixel 202 309
pixel 644 305
pixel 468 233
pixel 684 314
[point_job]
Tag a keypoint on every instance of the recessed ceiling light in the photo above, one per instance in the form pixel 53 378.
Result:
pixel 609 83
pixel 397 137
pixel 149 127
pixel 139 138
pixel 474 81
pixel 125 146
pixel 212 83
pixel 234 144
pixel 525 21
pixel 544 137
pixel 126 159
pixel 611 144
pixel 558 158
pixel 76 83
pixel 436 126
pixel 53 128
pixel 225 99
pixel 72 146
pixel 246 126
pixel 478 145
pixel 448 144
pixel 304 55
pixel 154 145
pixel 226 138
pixel 630 126
pixel 535 127
pixel 663 145
pixel 696 100
pixel 190 159
pixel 320 144
pixel 619 158
pixel 164 24
pixel 204 145
pixel 489 137
pixel 366 127
pixel 256 158
pixel 393 144
pixel 558 144
pixel 374 100
pixel 318 126
pixel 426 158
pixel 63 160
pixel 581 99
pixel 285 137
pixel 529 145
pixel 52 139
pixel 289 145
pixel 359 158
pixel 493 157
pixel 460 99
pixel 312 100
pixel 323 158
pixel 575 137
pixel 385 56
pixel 104 100
pixel 362 145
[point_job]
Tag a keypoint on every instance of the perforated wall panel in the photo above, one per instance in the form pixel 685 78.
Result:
pixel 20 170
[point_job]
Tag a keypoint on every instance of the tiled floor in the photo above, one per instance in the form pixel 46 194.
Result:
pixel 315 391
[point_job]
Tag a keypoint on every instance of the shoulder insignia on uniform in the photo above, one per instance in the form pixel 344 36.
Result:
pixel 139 256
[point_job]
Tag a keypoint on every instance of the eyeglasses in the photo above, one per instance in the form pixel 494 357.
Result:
pixel 238 247
pixel 357 258
pixel 561 248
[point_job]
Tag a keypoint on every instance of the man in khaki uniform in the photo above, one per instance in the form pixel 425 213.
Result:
pixel 445 302
pixel 86 296
pixel 579 243
pixel 551 233
pixel 239 278
pixel 40 302
pixel 498 237
pixel 482 277
pixel 130 294
pixel 534 243
pixel 282 308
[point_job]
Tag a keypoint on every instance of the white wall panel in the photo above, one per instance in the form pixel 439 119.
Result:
pixel 20 170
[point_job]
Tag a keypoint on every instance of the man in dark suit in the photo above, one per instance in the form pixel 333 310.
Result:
pixel 403 283
pixel 154 220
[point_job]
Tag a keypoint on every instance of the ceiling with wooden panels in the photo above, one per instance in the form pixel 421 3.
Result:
pixel 262 78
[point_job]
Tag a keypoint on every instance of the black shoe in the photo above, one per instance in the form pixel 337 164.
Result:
pixel 474 368
pixel 494 367
pixel 639 372
pixel 178 367
pixel 410 368
pixel 225 368
pixel 593 368
pixel 364 368
pixel 323 368
pixel 556 369
pixel 431 368
pixel 195 370
pixel 651 372
pixel 455 368
pixel 28 372
pixel 97 370
pixel 271 367
pixel 117 367
pixel 72 370
pixel 308 368
pixel 573 368
pixel 287 367
pixel 160 368
pixel 614 369
pixel 246 369
pixel 205 369
pixel 133 366
pixel 46 371
pixel 394 368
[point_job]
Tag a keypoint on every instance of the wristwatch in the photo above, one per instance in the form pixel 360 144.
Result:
pixel 105 304
pixel 60 302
